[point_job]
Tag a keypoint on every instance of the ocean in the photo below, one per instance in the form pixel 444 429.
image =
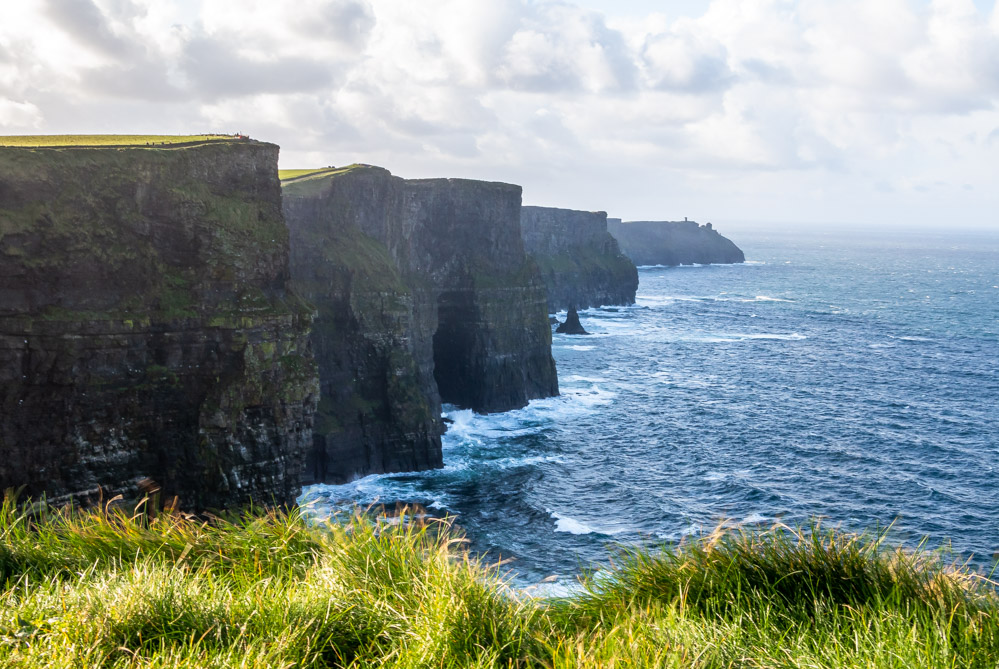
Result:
pixel 845 376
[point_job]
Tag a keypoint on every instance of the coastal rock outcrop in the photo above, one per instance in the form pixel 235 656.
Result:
pixel 571 326
pixel 673 243
pixel 424 294
pixel 147 334
pixel 580 262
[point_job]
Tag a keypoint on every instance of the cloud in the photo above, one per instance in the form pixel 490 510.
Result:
pixel 815 91
pixel 19 114
pixel 218 70
pixel 685 62
pixel 348 22
pixel 86 23
pixel 561 48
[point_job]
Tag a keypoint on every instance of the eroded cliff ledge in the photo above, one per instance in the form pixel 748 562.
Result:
pixel 673 243
pixel 425 294
pixel 580 261
pixel 146 330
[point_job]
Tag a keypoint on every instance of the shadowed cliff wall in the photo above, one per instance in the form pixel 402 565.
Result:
pixel 579 260
pixel 424 294
pixel 146 329
pixel 673 243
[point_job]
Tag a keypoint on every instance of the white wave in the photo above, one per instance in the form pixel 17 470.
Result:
pixel 590 397
pixel 585 379
pixel 693 529
pixel 509 463
pixel 731 337
pixel 754 519
pixel 767 298
pixel 570 525
pixel 658 300
pixel 794 336
pixel 552 589
pixel 323 502
pixel 580 348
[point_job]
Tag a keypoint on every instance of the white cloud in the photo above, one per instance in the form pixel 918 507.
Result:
pixel 19 114
pixel 816 95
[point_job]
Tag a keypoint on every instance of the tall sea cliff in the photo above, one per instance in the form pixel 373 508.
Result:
pixel 148 339
pixel 580 262
pixel 425 294
pixel 673 243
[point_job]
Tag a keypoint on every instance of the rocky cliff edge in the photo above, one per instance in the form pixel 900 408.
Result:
pixel 580 262
pixel 147 336
pixel 425 294
pixel 673 243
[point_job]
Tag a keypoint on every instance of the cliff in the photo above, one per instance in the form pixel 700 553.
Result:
pixel 580 262
pixel 424 295
pixel 146 329
pixel 673 243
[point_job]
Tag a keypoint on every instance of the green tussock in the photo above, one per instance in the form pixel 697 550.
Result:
pixel 272 590
pixel 107 140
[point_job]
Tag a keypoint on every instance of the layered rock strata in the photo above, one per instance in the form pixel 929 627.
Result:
pixel 424 295
pixel 147 336
pixel 673 243
pixel 580 261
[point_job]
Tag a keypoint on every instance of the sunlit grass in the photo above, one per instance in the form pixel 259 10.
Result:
pixel 106 140
pixel 284 175
pixel 272 590
pixel 297 176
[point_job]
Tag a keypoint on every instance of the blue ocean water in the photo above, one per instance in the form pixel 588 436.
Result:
pixel 843 375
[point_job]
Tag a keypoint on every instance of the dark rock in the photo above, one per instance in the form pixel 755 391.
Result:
pixel 572 326
pixel 424 295
pixel 673 243
pixel 146 332
pixel 579 260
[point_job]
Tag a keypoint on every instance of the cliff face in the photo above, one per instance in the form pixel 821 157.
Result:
pixel 424 294
pixel 146 329
pixel 673 243
pixel 579 260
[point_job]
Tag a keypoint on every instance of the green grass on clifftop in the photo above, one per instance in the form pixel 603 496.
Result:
pixel 290 175
pixel 45 141
pixel 122 590
pixel 307 181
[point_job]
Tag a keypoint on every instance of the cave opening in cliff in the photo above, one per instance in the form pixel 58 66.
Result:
pixel 455 350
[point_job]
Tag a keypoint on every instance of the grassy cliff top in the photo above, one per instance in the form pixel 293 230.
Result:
pixel 312 182
pixel 296 176
pixel 125 590
pixel 111 141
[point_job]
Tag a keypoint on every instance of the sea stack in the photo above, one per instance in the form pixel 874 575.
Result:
pixel 425 295
pixel 147 333
pixel 571 326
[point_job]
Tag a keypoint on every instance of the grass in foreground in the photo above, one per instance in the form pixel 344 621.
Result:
pixel 45 141
pixel 107 590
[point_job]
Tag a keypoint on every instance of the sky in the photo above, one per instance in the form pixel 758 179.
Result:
pixel 865 112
